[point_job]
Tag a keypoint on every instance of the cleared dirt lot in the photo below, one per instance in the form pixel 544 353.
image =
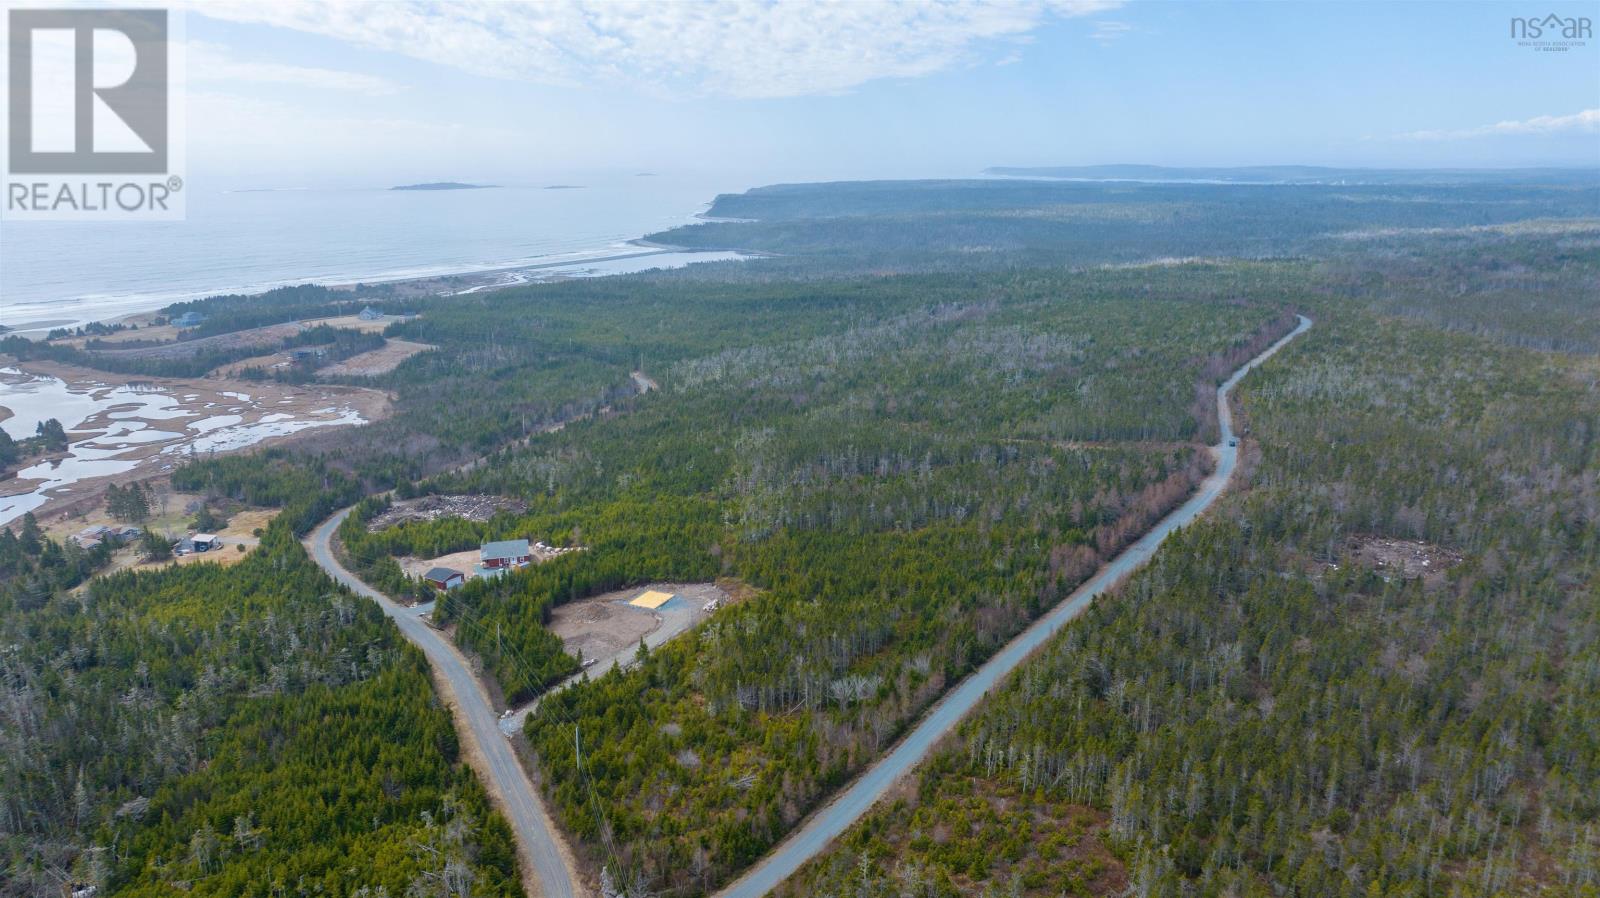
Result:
pixel 1405 558
pixel 143 332
pixel 605 628
pixel 377 361
pixel 171 513
pixel 463 561
pixel 602 631
pixel 268 362
pixel 473 507
pixel 356 323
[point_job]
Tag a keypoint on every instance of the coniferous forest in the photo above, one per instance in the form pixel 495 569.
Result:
pixel 1371 670
pixel 248 730
pixel 1268 711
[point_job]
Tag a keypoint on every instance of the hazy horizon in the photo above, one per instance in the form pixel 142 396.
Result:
pixel 357 95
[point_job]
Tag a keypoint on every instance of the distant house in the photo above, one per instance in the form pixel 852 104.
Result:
pixel 370 314
pixel 444 578
pixel 506 553
pixel 92 536
pixel 306 355
pixel 127 534
pixel 199 542
pixel 188 319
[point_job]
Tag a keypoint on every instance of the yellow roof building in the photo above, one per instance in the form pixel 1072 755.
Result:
pixel 652 599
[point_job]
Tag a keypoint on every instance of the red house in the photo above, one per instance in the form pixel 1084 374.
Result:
pixel 505 553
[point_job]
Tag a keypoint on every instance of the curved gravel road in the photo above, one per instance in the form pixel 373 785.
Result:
pixel 849 805
pixel 529 820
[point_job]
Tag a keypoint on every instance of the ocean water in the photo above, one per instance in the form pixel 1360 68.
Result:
pixel 247 241
pixel 250 240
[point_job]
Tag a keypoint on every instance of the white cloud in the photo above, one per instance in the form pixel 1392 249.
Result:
pixel 215 63
pixel 737 48
pixel 1106 31
pixel 1586 121
pixel 247 133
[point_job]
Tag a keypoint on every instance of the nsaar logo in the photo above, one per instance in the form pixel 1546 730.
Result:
pixel 1552 33
pixel 90 99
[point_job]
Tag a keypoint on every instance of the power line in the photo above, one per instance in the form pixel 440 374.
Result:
pixel 470 617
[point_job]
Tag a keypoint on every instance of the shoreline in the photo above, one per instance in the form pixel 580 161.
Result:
pixel 409 284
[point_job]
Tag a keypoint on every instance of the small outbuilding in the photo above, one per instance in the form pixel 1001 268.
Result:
pixel 444 578
pixel 370 314
pixel 205 542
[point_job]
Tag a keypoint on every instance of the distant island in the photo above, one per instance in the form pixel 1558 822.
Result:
pixel 443 185
pixel 563 187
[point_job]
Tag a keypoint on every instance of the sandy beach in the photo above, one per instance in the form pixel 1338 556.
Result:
pixel 634 256
pixel 641 255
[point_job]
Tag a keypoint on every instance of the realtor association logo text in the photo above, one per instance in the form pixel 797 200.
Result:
pixel 90 115
pixel 99 196
pixel 1552 33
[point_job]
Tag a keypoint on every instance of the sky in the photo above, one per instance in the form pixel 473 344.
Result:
pixel 315 93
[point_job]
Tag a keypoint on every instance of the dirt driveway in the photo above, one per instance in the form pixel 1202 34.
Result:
pixel 382 360
pixel 607 629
